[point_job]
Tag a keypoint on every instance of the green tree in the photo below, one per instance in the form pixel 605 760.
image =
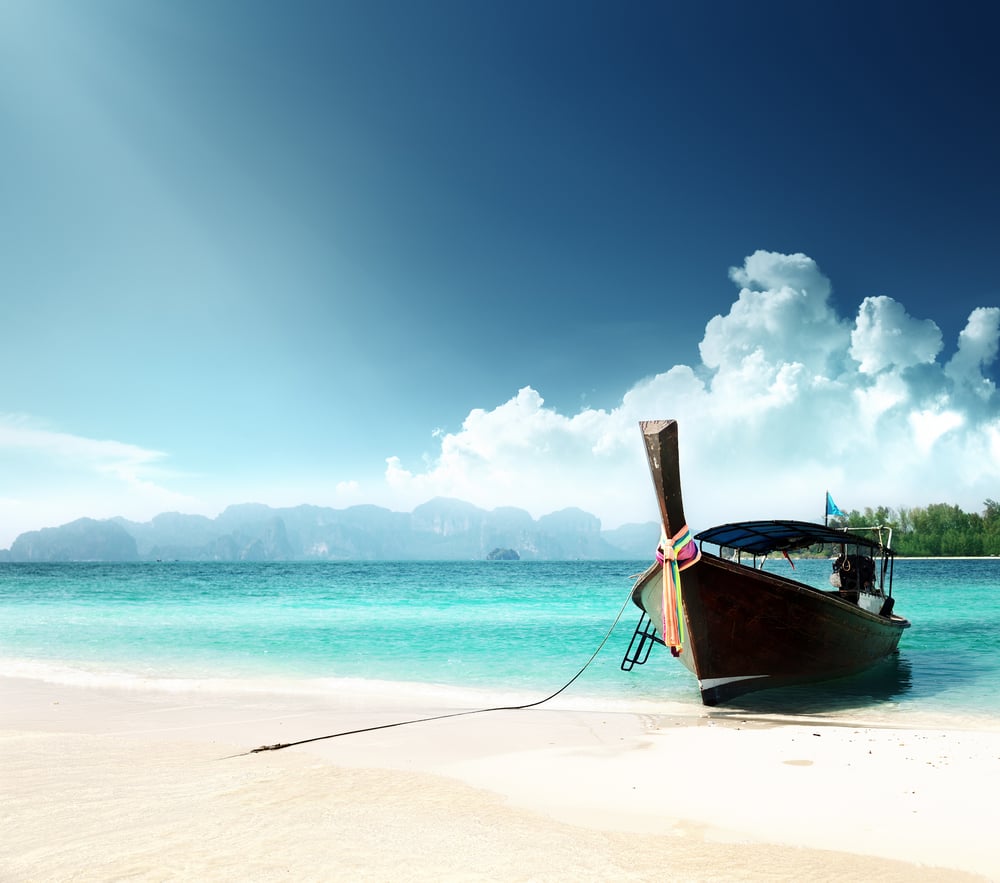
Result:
pixel 939 529
pixel 991 528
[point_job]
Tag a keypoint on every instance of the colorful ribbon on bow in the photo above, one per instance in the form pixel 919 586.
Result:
pixel 676 554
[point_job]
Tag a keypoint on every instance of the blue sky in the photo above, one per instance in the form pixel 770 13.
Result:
pixel 346 252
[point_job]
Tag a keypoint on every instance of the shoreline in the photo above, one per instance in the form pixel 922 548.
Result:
pixel 113 782
pixel 823 703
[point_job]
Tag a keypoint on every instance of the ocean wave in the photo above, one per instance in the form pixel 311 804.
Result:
pixel 369 690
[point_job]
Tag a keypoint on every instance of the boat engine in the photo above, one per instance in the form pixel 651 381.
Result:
pixel 852 573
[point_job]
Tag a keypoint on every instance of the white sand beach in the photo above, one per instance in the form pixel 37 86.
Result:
pixel 106 784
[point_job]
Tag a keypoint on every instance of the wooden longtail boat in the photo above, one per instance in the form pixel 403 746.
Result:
pixel 740 629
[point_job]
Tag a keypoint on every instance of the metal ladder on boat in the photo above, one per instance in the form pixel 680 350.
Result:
pixel 642 642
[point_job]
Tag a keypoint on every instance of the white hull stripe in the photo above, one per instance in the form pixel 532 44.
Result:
pixel 709 683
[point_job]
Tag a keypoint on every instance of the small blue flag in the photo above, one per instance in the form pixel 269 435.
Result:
pixel 831 507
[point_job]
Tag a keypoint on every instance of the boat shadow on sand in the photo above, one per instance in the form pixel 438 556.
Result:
pixel 887 680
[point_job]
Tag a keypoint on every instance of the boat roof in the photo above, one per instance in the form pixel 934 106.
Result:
pixel 760 537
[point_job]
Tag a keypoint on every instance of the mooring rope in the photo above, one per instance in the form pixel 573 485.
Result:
pixel 420 720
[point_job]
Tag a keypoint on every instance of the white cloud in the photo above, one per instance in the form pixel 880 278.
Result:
pixel 504 456
pixel 977 348
pixel 782 310
pixel 930 425
pixel 790 400
pixel 53 477
pixel 886 336
pixel 18 432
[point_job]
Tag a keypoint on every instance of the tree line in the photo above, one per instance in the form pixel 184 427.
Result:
pixel 935 530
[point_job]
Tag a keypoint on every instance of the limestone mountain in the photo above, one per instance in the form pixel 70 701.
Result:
pixel 441 529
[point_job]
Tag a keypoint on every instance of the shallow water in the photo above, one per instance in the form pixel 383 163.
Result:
pixel 481 632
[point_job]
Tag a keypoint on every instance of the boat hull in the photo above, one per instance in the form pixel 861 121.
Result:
pixel 750 630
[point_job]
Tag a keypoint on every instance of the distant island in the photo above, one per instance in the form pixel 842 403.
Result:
pixel 503 555
pixel 441 529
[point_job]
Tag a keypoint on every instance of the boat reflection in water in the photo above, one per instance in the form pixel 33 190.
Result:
pixel 885 681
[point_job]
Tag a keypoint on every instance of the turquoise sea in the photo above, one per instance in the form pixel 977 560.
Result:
pixel 463 633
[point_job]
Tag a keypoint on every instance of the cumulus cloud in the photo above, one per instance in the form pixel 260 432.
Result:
pixel 790 400
pixel 977 349
pixel 781 317
pixel 886 336
pixel 504 456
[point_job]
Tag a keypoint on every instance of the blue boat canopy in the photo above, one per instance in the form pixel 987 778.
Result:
pixel 760 537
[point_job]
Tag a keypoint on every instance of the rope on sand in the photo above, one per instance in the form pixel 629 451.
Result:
pixel 279 745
